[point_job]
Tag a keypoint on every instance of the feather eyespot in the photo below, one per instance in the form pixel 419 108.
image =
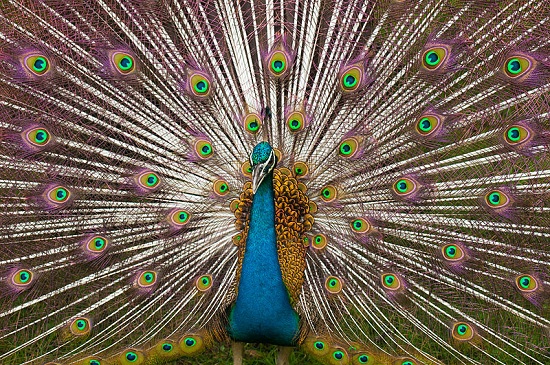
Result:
pixel 203 149
pixel 96 245
pixel 360 225
pixel 252 123
pixel 329 193
pixel 516 135
pixel 333 285
pixel 452 252
pixel 178 218
pixel 319 241
pixel 497 199
pixel 123 62
pixel 132 356
pixel 428 124
pixel 405 187
pixel 191 344
pixel 167 347
pixel 37 137
pixel 58 195
pixel 246 169
pixel 339 356
pixel 148 181
pixel 236 239
pixel 278 63
pixel 220 187
pixel 518 66
pixel 80 326
pixel 22 278
pixel 348 147
pixel 38 64
pixel 295 121
pixel 300 169
pixel 204 283
pixel 361 358
pixel 146 279
pixel 527 283
pixel 317 346
pixel 351 79
pixel 462 331
pixel 390 281
pixel 200 85
pixel 433 58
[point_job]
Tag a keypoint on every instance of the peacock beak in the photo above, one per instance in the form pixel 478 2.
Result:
pixel 258 175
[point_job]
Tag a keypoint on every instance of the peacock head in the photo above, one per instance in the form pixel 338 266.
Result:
pixel 262 160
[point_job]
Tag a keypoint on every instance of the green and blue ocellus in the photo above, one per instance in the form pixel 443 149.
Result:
pixel 367 181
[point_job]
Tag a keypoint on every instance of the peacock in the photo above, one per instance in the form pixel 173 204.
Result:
pixel 365 180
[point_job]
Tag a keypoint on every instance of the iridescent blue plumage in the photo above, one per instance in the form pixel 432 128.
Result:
pixel 262 311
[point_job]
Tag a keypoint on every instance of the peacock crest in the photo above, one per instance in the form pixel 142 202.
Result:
pixel 366 181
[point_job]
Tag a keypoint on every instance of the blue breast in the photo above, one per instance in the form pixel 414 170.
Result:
pixel 262 311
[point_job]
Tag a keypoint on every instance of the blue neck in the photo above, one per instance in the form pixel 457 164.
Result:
pixel 262 311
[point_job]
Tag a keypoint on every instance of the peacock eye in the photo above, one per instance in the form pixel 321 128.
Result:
pixel 38 137
pixel 179 217
pixel 164 348
pixel 517 134
pixel 204 282
pixel 348 147
pixel 351 79
pixel 80 326
pixel 462 331
pixel 295 122
pixel 319 241
pixel 278 63
pixel 319 345
pixel 203 149
pixel 340 356
pixel 360 225
pixel 246 169
pixel 123 62
pixel 191 344
pixel 146 279
pixel 58 195
pixel 404 187
pixel 252 123
pixel 220 187
pixel 22 278
pixel 300 169
pixel 497 199
pixel 390 281
pixel 149 180
pixel 131 356
pixel 427 125
pixel 434 57
pixel 526 283
pixel 97 244
pixel 362 359
pixel 38 64
pixel 407 362
pixel 452 252
pixel 517 66
pixel 333 285
pixel 329 193
pixel 236 239
pixel 94 362
pixel 200 85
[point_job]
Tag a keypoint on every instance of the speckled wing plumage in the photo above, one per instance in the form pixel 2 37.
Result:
pixel 415 134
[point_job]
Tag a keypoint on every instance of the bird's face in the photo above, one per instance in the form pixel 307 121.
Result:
pixel 262 160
